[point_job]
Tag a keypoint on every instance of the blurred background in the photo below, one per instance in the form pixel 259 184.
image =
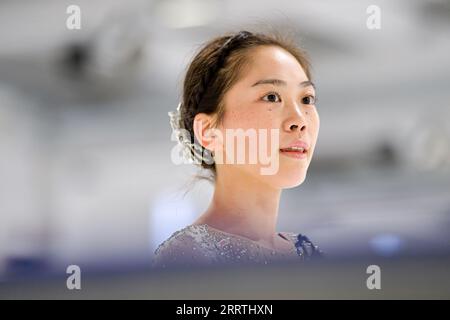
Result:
pixel 85 170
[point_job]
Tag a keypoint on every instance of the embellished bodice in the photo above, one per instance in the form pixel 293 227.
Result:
pixel 197 245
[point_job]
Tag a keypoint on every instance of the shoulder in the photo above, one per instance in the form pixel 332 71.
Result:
pixel 304 246
pixel 185 247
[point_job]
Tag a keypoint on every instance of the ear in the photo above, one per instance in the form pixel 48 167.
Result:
pixel 204 130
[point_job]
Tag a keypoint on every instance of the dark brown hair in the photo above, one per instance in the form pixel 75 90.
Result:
pixel 216 67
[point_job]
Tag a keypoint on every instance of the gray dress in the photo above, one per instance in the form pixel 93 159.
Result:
pixel 202 245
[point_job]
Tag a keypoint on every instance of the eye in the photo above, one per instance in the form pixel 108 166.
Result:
pixel 272 97
pixel 309 99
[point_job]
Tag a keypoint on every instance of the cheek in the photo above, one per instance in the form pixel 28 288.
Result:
pixel 314 123
pixel 249 117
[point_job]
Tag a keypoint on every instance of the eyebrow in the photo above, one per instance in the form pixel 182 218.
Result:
pixel 278 82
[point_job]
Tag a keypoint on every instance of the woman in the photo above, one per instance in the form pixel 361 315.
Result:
pixel 260 85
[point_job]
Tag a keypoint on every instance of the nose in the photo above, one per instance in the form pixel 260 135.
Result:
pixel 295 126
pixel 295 123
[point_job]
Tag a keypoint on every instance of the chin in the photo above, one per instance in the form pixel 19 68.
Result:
pixel 292 176
pixel 293 182
pixel 287 180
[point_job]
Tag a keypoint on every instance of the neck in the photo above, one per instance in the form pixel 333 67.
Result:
pixel 245 206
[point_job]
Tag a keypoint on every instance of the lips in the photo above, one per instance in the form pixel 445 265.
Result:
pixel 298 149
pixel 297 146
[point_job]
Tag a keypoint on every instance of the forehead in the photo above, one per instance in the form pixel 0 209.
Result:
pixel 273 61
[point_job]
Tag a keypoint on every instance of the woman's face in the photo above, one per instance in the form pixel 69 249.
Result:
pixel 273 93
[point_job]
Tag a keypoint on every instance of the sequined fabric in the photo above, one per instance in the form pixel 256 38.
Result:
pixel 202 245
